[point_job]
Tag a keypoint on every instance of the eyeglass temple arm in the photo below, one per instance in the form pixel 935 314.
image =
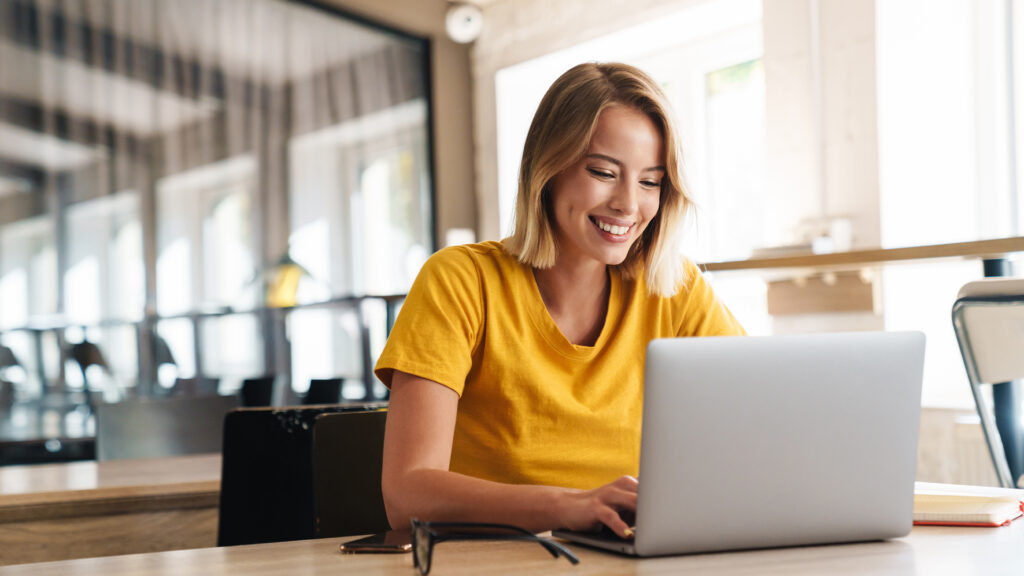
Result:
pixel 557 549
pixel 554 548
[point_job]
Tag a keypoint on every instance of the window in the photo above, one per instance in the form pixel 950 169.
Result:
pixel 680 51
pixel 947 172
pixel 105 278
pixel 205 242
pixel 360 190
pixel 157 182
pixel 28 271
pixel 206 262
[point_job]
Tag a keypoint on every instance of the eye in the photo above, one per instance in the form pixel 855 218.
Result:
pixel 602 174
pixel 650 184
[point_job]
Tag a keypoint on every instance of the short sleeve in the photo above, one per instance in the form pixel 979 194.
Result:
pixel 440 324
pixel 703 314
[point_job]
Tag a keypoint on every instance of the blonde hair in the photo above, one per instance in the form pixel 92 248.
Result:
pixel 560 135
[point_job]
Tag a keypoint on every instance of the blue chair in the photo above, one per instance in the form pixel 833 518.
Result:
pixel 988 319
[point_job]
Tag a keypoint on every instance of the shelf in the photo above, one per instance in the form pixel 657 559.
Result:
pixel 981 249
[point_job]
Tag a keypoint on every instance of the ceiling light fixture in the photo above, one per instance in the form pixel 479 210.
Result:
pixel 463 22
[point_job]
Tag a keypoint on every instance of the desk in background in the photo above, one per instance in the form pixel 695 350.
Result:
pixel 88 509
pixel 56 428
pixel 928 550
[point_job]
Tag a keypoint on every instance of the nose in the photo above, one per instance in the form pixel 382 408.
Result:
pixel 625 200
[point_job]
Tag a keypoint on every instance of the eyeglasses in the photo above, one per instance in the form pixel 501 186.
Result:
pixel 426 534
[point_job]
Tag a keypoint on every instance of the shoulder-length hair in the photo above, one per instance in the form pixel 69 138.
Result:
pixel 560 135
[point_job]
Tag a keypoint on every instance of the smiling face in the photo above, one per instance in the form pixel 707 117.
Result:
pixel 603 203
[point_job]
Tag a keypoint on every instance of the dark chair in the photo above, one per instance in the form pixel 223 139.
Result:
pixel 323 391
pixel 162 351
pixel 257 392
pixel 86 354
pixel 161 427
pixel 266 486
pixel 7 358
pixel 347 458
pixel 6 396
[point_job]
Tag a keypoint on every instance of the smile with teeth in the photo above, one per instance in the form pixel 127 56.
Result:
pixel 611 229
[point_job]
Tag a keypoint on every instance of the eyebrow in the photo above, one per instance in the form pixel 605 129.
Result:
pixel 618 162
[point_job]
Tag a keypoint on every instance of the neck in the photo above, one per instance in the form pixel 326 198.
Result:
pixel 566 286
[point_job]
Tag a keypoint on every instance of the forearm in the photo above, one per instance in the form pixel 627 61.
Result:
pixel 440 495
pixel 416 481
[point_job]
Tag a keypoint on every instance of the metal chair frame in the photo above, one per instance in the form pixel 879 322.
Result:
pixel 988 424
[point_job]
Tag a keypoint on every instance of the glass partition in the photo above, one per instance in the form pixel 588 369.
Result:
pixel 173 171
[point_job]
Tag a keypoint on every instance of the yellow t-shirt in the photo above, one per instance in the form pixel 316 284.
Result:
pixel 535 408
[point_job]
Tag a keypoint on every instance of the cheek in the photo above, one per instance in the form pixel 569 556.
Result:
pixel 651 205
pixel 577 195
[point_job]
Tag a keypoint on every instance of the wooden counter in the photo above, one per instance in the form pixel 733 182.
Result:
pixel 86 509
pixel 928 550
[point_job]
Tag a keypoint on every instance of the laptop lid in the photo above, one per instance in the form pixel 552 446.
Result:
pixel 753 442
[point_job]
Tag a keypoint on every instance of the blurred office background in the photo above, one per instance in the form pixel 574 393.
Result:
pixel 196 193
pixel 214 191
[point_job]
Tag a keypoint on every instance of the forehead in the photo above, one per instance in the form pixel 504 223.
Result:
pixel 627 133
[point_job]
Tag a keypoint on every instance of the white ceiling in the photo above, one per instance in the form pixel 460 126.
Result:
pixel 92 93
pixel 263 40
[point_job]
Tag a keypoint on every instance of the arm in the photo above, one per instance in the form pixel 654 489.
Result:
pixel 417 483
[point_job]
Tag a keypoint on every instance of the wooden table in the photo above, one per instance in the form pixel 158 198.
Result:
pixel 87 509
pixel 928 550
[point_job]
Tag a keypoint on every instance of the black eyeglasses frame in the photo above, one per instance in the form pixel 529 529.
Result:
pixel 418 530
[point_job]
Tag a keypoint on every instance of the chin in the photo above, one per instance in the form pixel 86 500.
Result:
pixel 613 259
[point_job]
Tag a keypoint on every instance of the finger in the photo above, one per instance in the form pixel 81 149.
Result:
pixel 627 483
pixel 620 499
pixel 611 519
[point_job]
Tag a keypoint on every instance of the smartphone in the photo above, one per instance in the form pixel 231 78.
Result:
pixel 392 541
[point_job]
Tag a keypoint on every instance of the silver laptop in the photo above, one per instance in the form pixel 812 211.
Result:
pixel 756 442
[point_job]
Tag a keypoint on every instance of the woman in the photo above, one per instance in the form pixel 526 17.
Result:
pixel 516 367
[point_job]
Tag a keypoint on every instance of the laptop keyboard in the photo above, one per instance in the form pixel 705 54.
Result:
pixel 608 534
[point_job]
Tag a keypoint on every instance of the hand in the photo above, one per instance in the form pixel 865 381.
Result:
pixel 588 510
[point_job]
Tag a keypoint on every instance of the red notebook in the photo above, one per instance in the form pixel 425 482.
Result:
pixel 960 505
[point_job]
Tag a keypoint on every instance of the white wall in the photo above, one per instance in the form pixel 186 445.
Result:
pixel 822 145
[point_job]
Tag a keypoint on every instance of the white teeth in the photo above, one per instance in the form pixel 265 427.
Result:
pixel 616 230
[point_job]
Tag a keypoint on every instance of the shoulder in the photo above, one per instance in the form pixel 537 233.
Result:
pixel 692 277
pixel 694 289
pixel 468 255
pixel 465 269
pixel 691 283
pixel 693 310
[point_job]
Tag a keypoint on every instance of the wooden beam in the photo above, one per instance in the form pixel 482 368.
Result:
pixel 980 249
